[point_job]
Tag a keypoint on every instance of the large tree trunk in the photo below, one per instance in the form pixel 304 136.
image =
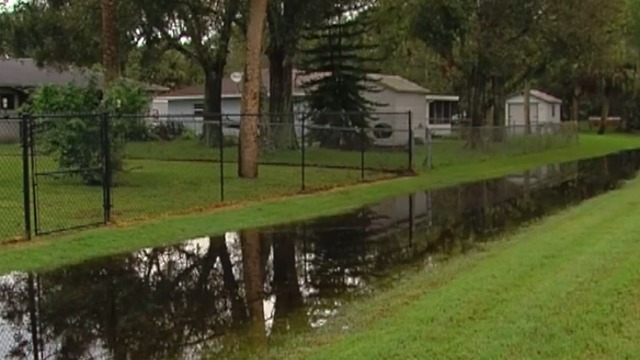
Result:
pixel 212 104
pixel 109 42
pixel 280 101
pixel 249 139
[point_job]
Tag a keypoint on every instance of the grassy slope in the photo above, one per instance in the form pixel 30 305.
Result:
pixel 566 287
pixel 76 247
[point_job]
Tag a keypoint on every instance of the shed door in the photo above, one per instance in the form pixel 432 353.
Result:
pixel 516 114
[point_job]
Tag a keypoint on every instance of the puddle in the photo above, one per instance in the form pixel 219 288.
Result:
pixel 216 295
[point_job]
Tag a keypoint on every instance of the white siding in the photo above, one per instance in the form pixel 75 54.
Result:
pixel 541 112
pixel 397 105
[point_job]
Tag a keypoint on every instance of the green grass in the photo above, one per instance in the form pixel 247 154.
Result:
pixel 158 183
pixel 445 152
pixel 79 246
pixel 564 288
pixel 150 189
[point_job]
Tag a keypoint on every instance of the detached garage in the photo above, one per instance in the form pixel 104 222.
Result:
pixel 544 109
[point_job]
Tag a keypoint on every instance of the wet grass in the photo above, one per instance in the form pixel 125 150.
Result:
pixel 151 189
pixel 77 247
pixel 186 169
pixel 564 288
pixel 445 152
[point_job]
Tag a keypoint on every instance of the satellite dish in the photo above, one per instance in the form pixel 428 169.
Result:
pixel 236 77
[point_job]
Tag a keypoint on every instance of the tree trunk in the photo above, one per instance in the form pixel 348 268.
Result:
pixel 109 42
pixel 527 106
pixel 212 105
pixel 606 104
pixel 280 101
pixel 249 150
pixel 575 104
pixel 254 290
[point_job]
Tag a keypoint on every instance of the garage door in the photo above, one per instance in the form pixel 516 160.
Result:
pixel 516 114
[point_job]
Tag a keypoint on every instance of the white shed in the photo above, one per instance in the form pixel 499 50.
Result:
pixel 545 109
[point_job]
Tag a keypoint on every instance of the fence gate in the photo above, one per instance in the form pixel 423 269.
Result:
pixel 70 172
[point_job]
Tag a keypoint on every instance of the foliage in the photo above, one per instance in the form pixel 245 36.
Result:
pixel 487 49
pixel 65 32
pixel 73 134
pixel 201 30
pixel 168 130
pixel 168 68
pixel 338 66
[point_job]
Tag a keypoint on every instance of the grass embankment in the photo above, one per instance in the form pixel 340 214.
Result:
pixel 564 288
pixel 76 247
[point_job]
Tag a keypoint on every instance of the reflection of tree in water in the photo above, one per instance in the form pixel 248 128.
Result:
pixel 150 305
pixel 159 303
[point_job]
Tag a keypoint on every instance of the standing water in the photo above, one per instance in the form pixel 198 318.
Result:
pixel 203 297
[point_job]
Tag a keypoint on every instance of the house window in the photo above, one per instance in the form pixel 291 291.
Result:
pixel 7 102
pixel 553 111
pixel 198 109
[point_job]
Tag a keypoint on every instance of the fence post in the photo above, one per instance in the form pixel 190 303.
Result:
pixel 362 150
pixel 26 123
pixel 409 114
pixel 221 153
pixel 428 140
pixel 302 155
pixel 106 168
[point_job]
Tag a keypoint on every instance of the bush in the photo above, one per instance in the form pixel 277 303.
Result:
pixel 168 130
pixel 74 135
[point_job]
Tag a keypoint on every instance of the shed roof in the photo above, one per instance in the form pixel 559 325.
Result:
pixel 231 89
pixel 539 95
pixel 26 74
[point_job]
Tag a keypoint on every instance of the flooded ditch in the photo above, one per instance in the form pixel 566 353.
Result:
pixel 205 296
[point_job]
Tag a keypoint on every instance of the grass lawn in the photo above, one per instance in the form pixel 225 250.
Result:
pixel 445 152
pixel 149 189
pixel 78 246
pixel 564 288
pixel 159 180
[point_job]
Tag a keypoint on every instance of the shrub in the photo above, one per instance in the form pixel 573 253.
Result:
pixel 69 125
pixel 168 130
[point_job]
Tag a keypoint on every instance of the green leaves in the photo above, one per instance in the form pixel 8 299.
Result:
pixel 68 124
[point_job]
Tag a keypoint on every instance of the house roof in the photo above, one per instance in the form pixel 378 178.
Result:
pixel 231 89
pixel 539 95
pixel 26 74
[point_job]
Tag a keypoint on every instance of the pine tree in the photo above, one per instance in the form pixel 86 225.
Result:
pixel 338 65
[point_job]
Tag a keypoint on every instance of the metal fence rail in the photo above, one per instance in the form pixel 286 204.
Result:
pixel 66 171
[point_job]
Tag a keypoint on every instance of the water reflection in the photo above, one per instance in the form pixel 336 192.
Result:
pixel 217 295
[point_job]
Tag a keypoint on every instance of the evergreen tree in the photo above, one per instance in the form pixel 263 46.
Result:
pixel 337 65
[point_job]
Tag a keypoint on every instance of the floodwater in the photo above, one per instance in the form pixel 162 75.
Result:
pixel 218 296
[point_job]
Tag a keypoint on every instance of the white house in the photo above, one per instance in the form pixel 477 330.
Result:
pixel 397 98
pixel 545 109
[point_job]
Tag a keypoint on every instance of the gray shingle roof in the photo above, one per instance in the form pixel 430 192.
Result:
pixel 24 73
pixel 229 88
pixel 540 95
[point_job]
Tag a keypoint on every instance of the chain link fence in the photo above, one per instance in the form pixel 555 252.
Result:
pixel 75 170
pixel 11 179
pixel 447 145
